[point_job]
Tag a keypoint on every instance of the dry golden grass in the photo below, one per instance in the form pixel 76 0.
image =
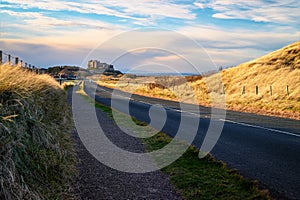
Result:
pixel 68 84
pixel 22 81
pixel 278 69
pixel 36 155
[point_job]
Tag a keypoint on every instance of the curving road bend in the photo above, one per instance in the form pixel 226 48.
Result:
pixel 260 147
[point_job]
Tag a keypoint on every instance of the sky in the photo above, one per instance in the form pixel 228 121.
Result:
pixel 147 35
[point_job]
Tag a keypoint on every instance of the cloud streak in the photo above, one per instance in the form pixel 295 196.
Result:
pixel 233 46
pixel 72 27
pixel 275 11
pixel 140 11
pixel 41 20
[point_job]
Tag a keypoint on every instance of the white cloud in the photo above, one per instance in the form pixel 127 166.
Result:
pixel 38 19
pixel 164 8
pixel 239 37
pixel 75 31
pixel 233 46
pixel 276 11
pixel 166 58
pixel 138 10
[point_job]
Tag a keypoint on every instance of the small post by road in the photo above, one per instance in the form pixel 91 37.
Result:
pixel 21 63
pixel 9 59
pixel 256 90
pixel 243 90
pixel 0 57
pixel 271 90
pixel 287 90
pixel 16 61
pixel 223 89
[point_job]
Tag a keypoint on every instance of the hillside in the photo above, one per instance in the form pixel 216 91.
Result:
pixel 276 78
pixel 36 155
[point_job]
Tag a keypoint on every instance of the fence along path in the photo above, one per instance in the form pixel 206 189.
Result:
pixel 6 58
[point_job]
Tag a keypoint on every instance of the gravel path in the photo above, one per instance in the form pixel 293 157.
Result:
pixel 97 181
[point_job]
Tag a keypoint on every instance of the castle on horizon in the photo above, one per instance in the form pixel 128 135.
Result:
pixel 97 65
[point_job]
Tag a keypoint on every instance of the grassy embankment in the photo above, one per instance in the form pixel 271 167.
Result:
pixel 192 177
pixel 278 69
pixel 36 154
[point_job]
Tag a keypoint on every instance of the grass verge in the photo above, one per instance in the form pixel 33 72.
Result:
pixel 197 178
pixel 205 178
pixel 98 105
pixel 36 153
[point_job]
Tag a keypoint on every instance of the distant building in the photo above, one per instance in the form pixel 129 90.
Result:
pixel 99 67
pixel 93 64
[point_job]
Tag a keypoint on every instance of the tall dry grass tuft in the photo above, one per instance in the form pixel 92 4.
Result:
pixel 36 155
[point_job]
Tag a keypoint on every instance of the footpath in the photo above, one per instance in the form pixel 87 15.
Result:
pixel 97 181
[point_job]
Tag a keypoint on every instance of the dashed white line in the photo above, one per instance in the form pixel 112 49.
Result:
pixel 260 127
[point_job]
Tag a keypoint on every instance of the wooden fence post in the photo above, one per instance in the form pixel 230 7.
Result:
pixel 287 90
pixel 0 57
pixel 9 59
pixel 256 90
pixel 223 89
pixel 271 90
pixel 16 61
pixel 21 63
pixel 244 90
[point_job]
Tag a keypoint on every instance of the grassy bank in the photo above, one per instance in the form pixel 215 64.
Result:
pixel 271 74
pixel 36 155
pixel 192 177
pixel 205 178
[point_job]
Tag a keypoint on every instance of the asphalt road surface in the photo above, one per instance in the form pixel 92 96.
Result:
pixel 261 148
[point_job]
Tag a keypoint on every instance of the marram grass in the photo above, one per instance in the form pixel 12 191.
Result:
pixel 36 155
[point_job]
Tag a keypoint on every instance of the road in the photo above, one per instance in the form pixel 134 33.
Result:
pixel 261 148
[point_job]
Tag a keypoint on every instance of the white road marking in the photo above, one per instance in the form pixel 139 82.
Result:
pixel 111 93
pixel 260 127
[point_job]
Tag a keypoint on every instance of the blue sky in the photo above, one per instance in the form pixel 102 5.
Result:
pixel 57 32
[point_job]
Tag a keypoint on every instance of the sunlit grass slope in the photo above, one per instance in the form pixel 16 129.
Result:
pixel 278 70
pixel 273 72
pixel 36 155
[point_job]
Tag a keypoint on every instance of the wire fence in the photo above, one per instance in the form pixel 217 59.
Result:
pixel 182 84
pixel 6 58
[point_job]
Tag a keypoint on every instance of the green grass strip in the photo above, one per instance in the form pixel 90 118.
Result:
pixel 205 178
